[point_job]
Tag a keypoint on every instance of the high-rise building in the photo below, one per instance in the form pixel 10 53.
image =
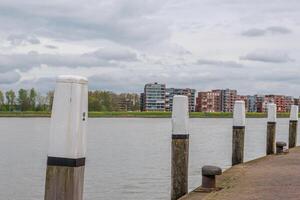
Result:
pixel 190 93
pixel 228 98
pixel 260 105
pixel 154 97
pixel 216 100
pixel 209 101
pixel 282 102
pixel 252 103
pixel 289 101
pixel 142 102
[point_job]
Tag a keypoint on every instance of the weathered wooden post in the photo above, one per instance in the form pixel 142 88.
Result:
pixel 271 128
pixel 180 147
pixel 293 126
pixel 67 143
pixel 238 133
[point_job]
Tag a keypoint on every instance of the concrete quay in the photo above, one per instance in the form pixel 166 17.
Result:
pixel 273 177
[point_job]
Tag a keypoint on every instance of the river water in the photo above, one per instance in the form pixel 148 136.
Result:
pixel 127 159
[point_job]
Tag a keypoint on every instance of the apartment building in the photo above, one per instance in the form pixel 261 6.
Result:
pixel 154 97
pixel 228 98
pixel 190 93
pixel 209 101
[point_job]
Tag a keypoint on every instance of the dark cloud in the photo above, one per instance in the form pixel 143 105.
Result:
pixel 101 57
pixel 9 77
pixel 267 57
pixel 273 30
pixel 278 30
pixel 51 46
pixel 254 32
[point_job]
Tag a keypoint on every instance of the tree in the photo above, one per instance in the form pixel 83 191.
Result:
pixel 49 99
pixel 23 100
pixel 1 100
pixel 41 102
pixel 32 98
pixel 10 98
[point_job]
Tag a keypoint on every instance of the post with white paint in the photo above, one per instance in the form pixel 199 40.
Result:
pixel 238 133
pixel 67 141
pixel 293 126
pixel 271 128
pixel 180 147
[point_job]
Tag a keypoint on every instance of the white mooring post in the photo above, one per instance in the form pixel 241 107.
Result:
pixel 271 128
pixel 67 141
pixel 293 126
pixel 180 147
pixel 238 132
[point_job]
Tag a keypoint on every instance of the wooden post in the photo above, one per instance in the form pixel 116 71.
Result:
pixel 271 129
pixel 180 147
pixel 238 133
pixel 293 126
pixel 67 143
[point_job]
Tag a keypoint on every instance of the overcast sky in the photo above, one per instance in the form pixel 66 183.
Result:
pixel 250 45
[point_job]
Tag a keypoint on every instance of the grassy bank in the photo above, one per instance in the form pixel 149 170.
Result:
pixel 25 114
pixel 140 114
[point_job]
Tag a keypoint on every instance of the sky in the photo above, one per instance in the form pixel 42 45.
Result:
pixel 119 45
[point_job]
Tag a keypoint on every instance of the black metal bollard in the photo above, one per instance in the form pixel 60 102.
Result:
pixel 209 176
pixel 279 147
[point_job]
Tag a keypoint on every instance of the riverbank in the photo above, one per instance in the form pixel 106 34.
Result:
pixel 141 114
pixel 273 177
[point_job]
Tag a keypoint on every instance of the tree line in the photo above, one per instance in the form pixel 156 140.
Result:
pixel 31 100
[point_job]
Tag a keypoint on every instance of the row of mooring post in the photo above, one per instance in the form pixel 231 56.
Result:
pixel 180 143
pixel 67 141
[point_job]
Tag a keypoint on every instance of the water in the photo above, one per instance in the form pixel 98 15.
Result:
pixel 127 159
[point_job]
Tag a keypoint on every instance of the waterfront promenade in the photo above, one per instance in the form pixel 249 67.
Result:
pixel 274 177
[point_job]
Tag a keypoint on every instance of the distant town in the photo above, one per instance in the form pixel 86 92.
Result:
pixel 156 97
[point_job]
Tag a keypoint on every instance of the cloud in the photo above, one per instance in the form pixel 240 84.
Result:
pixel 123 21
pixel 100 57
pixel 43 84
pixel 272 30
pixel 17 40
pixel 51 46
pixel 254 32
pixel 150 32
pixel 9 77
pixel 267 57
pixel 116 54
pixel 278 30
pixel 219 63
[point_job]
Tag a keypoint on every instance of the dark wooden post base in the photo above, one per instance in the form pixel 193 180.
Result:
pixel 179 168
pixel 238 137
pixel 64 182
pixel 293 133
pixel 271 132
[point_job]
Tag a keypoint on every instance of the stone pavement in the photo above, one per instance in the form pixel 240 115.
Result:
pixel 274 177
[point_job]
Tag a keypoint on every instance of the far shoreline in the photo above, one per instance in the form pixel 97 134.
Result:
pixel 36 114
